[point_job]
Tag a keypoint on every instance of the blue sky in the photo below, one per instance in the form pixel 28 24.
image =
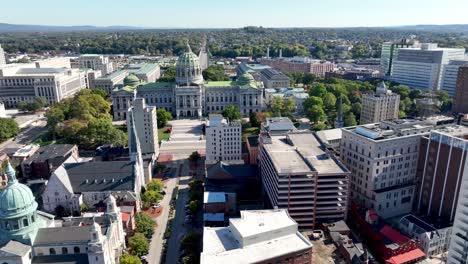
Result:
pixel 238 13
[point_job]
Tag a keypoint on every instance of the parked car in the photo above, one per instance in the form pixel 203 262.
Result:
pixel 163 192
pixel 156 205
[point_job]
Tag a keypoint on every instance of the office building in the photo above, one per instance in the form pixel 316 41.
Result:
pixel 258 236
pixel 145 119
pixel 109 82
pixel 460 102
pixel 383 161
pixel 95 62
pixel 458 250
pixel 223 140
pixel 272 78
pixel 298 95
pixel 190 95
pixel 251 68
pixel 422 67
pixel 450 76
pixel 298 175
pixel 20 83
pixel 441 165
pixel 299 64
pixel 379 106
pixel 2 57
pixel 389 50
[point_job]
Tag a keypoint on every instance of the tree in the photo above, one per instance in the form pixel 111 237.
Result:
pixel 215 73
pixel 8 128
pixel 193 206
pixel 83 208
pixel 169 74
pixel 311 101
pixel 329 101
pixel 150 197
pixel 308 78
pixel 163 116
pixel 191 242
pixel 319 126
pixel 154 185
pixel 318 90
pixel 194 157
pixel 232 113
pixel 315 113
pixel 144 224
pixel 350 119
pixel 138 244
pixel 254 119
pixel 289 106
pixel 129 259
pixel 277 106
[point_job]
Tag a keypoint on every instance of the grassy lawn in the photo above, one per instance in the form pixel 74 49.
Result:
pixel 162 133
pixel 250 131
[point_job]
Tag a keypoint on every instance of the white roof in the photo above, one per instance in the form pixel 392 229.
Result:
pixel 330 134
pixel 214 197
pixel 220 244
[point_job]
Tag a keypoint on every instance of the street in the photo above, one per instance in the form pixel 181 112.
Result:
pixel 24 137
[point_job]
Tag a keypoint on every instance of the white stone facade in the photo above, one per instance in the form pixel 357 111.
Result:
pixel 146 125
pixel 223 140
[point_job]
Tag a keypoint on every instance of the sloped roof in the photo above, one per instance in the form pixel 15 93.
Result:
pixel 222 170
pixel 408 257
pixel 101 176
pixel 15 248
pixel 394 235
pixel 62 235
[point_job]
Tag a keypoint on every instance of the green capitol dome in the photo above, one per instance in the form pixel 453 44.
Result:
pixel 131 80
pixel 188 70
pixel 246 80
pixel 188 59
pixel 18 218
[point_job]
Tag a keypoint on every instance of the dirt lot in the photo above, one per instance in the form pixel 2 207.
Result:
pixel 326 254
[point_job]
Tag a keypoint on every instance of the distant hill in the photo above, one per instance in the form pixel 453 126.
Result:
pixel 5 27
pixel 460 28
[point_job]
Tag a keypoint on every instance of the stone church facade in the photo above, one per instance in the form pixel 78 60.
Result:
pixel 191 96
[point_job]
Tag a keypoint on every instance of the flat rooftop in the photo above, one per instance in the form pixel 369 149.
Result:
pixel 301 153
pixel 330 134
pixel 221 244
pixel 214 197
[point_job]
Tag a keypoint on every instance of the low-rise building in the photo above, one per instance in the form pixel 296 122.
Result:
pixel 109 82
pixel 95 62
pixel 330 138
pixel 273 78
pixel 297 94
pixel 433 240
pixel 46 159
pixel 299 64
pixel 263 236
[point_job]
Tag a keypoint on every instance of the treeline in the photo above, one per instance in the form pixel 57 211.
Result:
pixel 249 41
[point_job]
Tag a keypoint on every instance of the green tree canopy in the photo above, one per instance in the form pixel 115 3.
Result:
pixel 318 89
pixel 8 128
pixel 138 244
pixel 168 75
pixel 129 259
pixel 254 122
pixel 154 185
pixel 215 73
pixel 350 119
pixel 144 224
pixel 163 117
pixel 232 113
pixel 315 113
pixel 150 197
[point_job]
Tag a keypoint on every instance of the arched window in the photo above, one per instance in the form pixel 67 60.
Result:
pixel 76 250
pixel 25 222
pixel 64 251
pixel 52 251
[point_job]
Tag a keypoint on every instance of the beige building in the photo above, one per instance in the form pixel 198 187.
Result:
pixel 383 105
pixel 24 83
pixel 223 140
pixel 2 56
pixel 95 62
pixel 146 126
pixel 383 161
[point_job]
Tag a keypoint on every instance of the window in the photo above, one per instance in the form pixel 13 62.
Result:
pixel 64 251
pixel 25 222
pixel 52 251
pixel 76 250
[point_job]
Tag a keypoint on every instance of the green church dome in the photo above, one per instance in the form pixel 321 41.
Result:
pixel 15 199
pixel 131 80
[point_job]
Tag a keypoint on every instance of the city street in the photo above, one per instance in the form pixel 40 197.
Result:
pixel 24 137
pixel 178 228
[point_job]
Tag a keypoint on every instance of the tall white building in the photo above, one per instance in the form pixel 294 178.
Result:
pixel 145 119
pixel 422 67
pixel 383 162
pixel 223 140
pixel 24 84
pixel 2 56
pixel 388 53
pixel 383 105
pixel 450 76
